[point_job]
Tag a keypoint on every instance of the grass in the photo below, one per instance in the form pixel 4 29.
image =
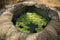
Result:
pixel 57 2
pixel 30 17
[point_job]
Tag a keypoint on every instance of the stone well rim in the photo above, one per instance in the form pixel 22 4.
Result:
pixel 47 31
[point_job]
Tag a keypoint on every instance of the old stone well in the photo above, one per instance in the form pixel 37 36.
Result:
pixel 8 30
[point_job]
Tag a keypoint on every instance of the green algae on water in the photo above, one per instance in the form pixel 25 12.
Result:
pixel 28 18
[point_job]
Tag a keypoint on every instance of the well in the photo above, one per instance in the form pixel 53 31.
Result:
pixel 8 31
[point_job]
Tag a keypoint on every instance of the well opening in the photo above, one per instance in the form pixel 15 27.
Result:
pixel 26 14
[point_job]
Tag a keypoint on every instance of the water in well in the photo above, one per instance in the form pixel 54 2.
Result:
pixel 29 20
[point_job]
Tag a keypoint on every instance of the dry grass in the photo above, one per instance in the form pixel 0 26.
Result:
pixel 48 2
pixel 57 1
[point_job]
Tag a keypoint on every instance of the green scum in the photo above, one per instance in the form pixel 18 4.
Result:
pixel 27 18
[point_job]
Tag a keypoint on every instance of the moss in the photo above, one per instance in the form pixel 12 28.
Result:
pixel 30 17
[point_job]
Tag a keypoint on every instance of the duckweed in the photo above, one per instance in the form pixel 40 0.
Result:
pixel 23 22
